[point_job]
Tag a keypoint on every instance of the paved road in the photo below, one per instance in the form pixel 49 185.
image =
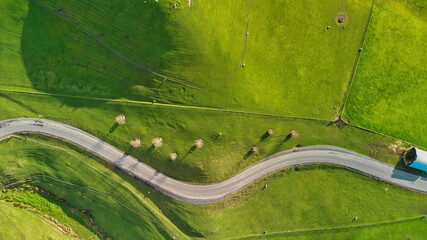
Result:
pixel 202 194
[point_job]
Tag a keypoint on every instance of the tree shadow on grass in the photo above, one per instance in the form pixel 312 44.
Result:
pixel 61 59
pixel 264 136
pixel 189 151
pixel 21 104
pixel 113 128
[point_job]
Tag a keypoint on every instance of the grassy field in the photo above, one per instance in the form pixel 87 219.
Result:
pixel 202 45
pixel 16 223
pixel 118 207
pixel 52 211
pixel 411 229
pixel 300 198
pixel 294 64
pixel 388 93
pixel 219 158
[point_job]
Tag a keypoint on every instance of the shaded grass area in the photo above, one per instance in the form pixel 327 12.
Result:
pixel 42 52
pixel 295 198
pixel 388 93
pixel 220 157
pixel 117 207
pixel 202 45
pixel 38 202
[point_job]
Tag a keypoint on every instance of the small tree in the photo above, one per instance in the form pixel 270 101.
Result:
pixel 157 142
pixel 173 156
pixel 121 119
pixel 136 143
pixel 198 143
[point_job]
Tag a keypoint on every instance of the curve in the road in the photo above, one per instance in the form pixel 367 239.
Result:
pixel 209 193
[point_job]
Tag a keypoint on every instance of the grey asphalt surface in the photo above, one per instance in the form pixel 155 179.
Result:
pixel 209 193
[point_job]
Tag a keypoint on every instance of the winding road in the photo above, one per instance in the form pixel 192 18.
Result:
pixel 209 193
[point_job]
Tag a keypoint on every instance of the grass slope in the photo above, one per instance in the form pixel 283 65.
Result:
pixel 118 207
pixel 202 45
pixel 50 210
pixel 300 198
pixel 412 229
pixel 16 223
pixel 388 93
pixel 218 159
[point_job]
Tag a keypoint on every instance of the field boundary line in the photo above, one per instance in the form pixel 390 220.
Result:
pixel 334 228
pixel 384 135
pixel 164 105
pixel 350 84
pixel 242 59
pixel 135 64
pixel 203 108
pixel 155 213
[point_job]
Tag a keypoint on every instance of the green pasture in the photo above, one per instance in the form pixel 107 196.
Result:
pixel 116 202
pixel 297 62
pixel 407 229
pixel 296 198
pixel 388 93
pixel 301 199
pixel 202 46
pixel 219 158
pixel 16 223
pixel 66 221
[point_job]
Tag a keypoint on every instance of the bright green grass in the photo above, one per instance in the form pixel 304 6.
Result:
pixel 300 198
pixel 413 229
pixel 202 45
pixel 308 198
pixel 46 205
pixel 16 223
pixel 218 159
pixel 388 93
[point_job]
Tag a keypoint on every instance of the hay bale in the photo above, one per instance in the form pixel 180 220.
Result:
pixel 121 119
pixel 157 142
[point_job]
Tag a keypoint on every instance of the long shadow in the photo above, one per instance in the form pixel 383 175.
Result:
pixel 113 128
pixel 289 136
pixel 400 167
pixel 189 151
pixel 264 136
pixel 61 59
pixel 25 106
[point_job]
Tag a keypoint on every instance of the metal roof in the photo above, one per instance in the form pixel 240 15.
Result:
pixel 420 161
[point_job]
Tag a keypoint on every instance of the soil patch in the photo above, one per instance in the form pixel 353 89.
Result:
pixel 341 18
